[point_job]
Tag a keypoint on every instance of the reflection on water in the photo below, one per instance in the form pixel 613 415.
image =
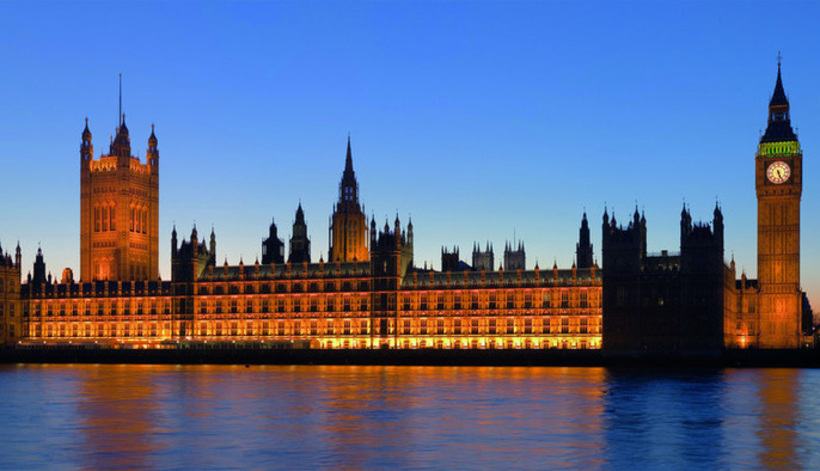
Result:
pixel 109 416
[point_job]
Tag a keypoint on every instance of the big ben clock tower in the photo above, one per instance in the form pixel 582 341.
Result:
pixel 779 182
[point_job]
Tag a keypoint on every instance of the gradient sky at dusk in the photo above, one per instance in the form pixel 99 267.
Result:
pixel 484 121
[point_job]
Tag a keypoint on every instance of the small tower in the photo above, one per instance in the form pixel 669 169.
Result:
pixel 514 256
pixel 583 250
pixel 39 268
pixel 299 241
pixel 450 260
pixel 273 248
pixel 483 260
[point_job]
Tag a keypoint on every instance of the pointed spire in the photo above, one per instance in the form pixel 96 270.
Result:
pixel 349 157
pixel 779 95
pixel 779 128
pixel 120 115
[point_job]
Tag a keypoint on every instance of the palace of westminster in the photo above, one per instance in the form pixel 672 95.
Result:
pixel 370 294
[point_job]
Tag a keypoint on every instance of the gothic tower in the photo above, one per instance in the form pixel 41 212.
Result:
pixel 119 210
pixel 583 250
pixel 273 248
pixel 299 241
pixel 779 182
pixel 348 226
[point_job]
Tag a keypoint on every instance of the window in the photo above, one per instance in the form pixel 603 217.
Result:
pixel 440 326
pixel 457 326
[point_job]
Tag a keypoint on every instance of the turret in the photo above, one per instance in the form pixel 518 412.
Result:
pixel 410 232
pixel 121 146
pixel 194 241
pixel 717 222
pixel 299 241
pixel 273 248
pixel 86 148
pixel 18 257
pixel 39 268
pixel 583 250
pixel 213 244
pixel 152 157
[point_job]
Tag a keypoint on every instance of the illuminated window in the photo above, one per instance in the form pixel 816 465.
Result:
pixel 440 326
pixel 406 327
pixel 457 326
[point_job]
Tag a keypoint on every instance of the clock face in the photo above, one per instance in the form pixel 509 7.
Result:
pixel 778 172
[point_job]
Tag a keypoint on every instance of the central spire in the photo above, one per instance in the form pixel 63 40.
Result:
pixel 349 188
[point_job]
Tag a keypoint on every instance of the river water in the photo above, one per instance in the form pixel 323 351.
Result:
pixel 305 417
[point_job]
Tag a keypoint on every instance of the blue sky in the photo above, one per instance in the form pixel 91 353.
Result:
pixel 484 121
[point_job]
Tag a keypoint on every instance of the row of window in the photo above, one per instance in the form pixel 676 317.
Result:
pixel 99 308
pixel 297 287
pixel 314 327
pixel 105 218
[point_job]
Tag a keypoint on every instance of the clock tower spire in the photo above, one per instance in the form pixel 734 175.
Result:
pixel 779 183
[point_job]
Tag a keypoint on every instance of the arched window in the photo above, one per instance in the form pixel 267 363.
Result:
pixel 104 218
pixel 96 219
pixel 112 218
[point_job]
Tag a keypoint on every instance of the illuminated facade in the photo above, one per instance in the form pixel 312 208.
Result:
pixel 370 294
pixel 119 210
